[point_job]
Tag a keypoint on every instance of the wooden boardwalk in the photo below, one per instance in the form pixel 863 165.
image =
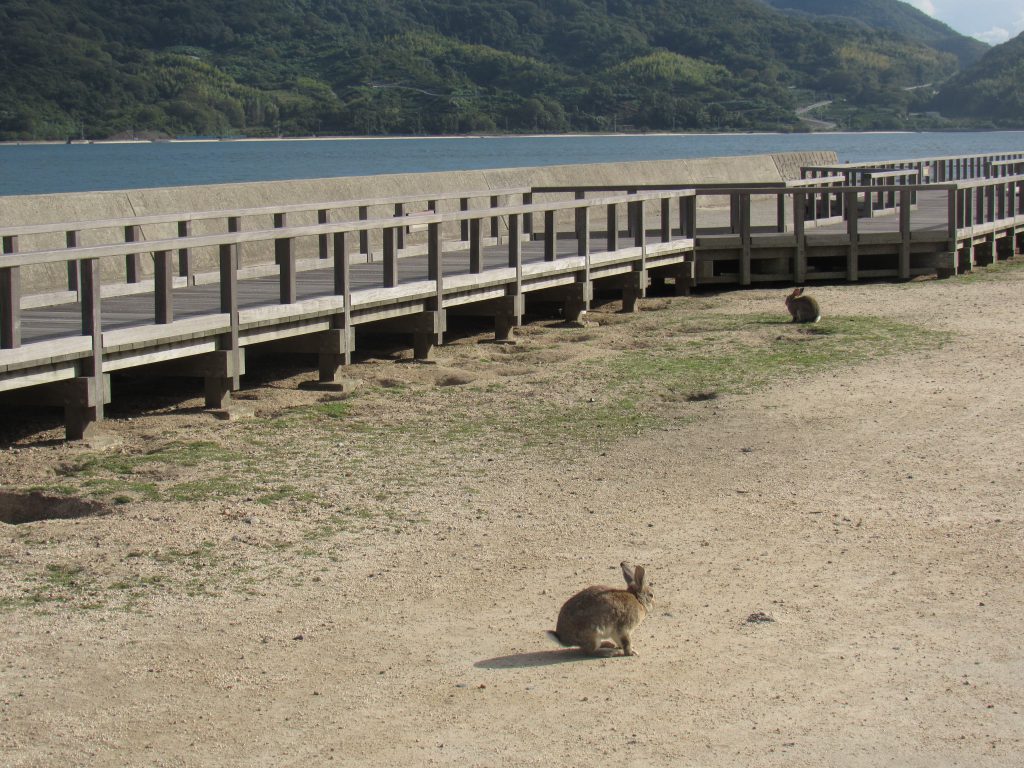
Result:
pixel 305 287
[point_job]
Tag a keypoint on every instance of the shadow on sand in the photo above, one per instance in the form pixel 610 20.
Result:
pixel 535 659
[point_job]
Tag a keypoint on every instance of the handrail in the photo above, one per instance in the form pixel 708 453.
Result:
pixel 86 259
pixel 53 255
pixel 226 213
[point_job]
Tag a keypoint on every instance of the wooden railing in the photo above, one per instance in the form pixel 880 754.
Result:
pixel 333 238
pixel 76 234
pixel 940 170
pixel 987 201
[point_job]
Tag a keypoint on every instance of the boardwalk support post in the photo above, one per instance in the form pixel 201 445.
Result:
pixel 508 315
pixel 634 289
pixel 10 299
pixel 86 394
pixel 428 329
pixel 223 379
pixel 577 300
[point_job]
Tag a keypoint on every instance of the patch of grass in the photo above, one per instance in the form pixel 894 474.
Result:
pixel 737 354
pixel 102 487
pixel 744 365
pixel 110 475
pixel 219 487
pixel 335 409
pixel 192 454
pixel 58 489
pixel 203 556
pixel 996 271
pixel 342 521
pixel 64 575
pixel 58 583
pixel 281 493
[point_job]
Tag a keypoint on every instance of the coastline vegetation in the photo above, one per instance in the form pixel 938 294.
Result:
pixel 86 69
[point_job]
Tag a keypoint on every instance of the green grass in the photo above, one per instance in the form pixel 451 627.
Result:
pixel 737 366
pixel 996 271
pixel 217 487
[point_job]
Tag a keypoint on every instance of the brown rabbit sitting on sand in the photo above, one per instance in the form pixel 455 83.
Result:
pixel 804 309
pixel 599 614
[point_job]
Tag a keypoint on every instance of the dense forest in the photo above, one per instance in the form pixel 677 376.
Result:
pixel 896 17
pixel 100 68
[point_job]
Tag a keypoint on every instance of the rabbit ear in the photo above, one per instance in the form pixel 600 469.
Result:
pixel 798 292
pixel 641 578
pixel 627 572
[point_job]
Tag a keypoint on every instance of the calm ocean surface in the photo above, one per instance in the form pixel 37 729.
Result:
pixel 45 169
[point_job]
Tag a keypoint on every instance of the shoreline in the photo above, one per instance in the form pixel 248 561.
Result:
pixel 465 136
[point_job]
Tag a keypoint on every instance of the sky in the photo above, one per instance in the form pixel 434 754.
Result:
pixel 992 21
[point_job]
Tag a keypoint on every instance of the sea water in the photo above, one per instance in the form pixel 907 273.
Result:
pixel 27 169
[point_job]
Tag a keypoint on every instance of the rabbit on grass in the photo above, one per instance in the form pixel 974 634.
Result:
pixel 803 308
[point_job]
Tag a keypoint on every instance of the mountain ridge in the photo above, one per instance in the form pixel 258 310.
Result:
pixel 91 68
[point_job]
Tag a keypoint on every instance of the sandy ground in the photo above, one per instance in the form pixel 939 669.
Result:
pixel 874 512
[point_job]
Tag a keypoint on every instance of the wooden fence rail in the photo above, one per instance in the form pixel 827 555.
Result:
pixel 411 260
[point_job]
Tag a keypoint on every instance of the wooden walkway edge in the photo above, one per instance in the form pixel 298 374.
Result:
pixel 307 286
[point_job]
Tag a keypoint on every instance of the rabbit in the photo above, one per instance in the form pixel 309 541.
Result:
pixel 596 615
pixel 804 309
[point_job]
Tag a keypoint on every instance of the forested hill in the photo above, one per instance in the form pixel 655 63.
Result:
pixel 993 87
pixel 899 17
pixel 97 68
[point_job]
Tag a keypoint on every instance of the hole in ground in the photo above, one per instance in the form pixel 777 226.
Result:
pixel 18 508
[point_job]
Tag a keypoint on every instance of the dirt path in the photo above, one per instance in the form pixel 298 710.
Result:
pixel 875 513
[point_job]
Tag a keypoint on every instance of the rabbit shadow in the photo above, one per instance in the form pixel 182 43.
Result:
pixel 535 659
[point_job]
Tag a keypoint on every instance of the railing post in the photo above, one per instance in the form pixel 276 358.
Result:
pixel 390 258
pixel 71 241
pixel 495 223
pixel 745 238
pixel 132 261
pixel 464 223
pixel 799 233
pixel 342 287
pixel 579 195
pixel 613 227
pixel 184 254
pixel 515 254
pixel 635 287
pixel 852 231
pixel 583 241
pixel 476 246
pixel 550 236
pixel 284 255
pixel 780 212
pixel 435 264
pixel 323 216
pixel 636 219
pixel 688 216
pixel 906 198
pixel 666 219
pixel 400 232
pixel 163 287
pixel 528 217
pixel 364 234
pixel 81 415
pixel 219 387
pixel 10 299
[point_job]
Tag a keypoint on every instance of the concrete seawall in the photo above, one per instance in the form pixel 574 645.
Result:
pixel 86 206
